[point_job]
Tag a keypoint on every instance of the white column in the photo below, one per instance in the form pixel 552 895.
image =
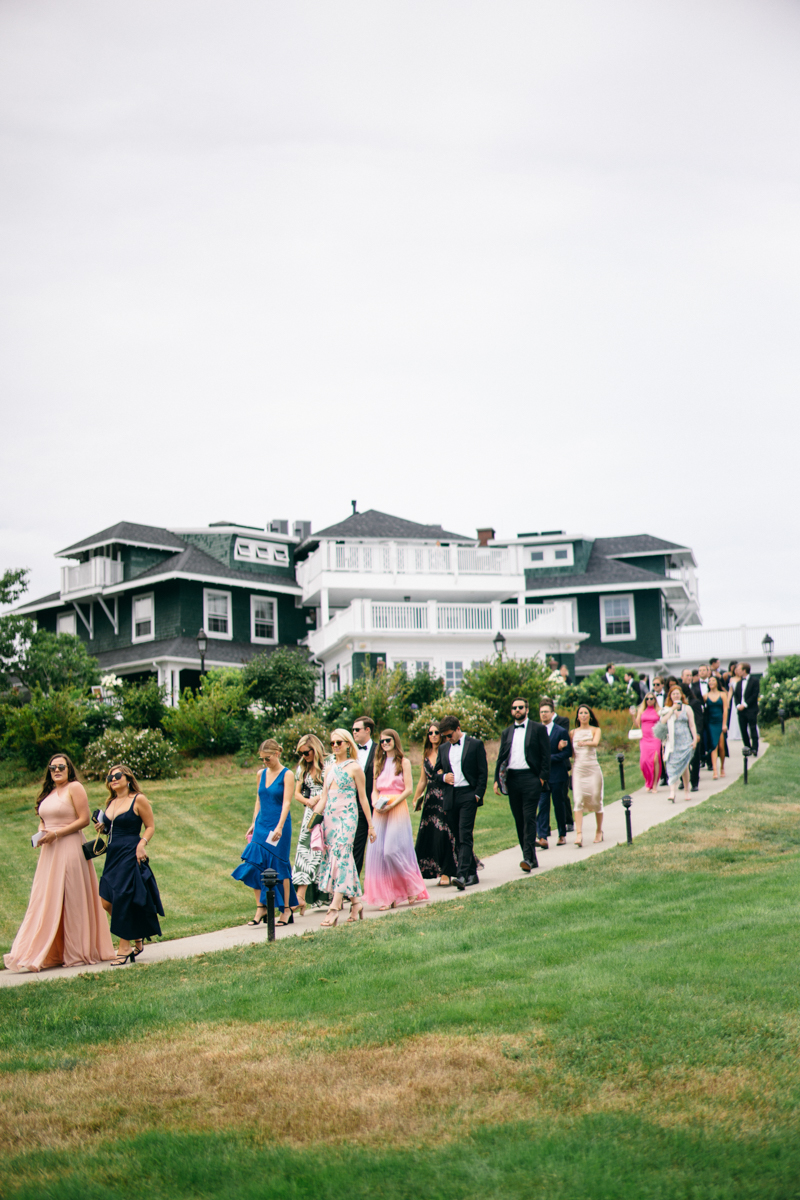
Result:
pixel 323 604
pixel 433 618
pixel 496 615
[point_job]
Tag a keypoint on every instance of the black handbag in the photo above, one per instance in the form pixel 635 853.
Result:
pixel 94 849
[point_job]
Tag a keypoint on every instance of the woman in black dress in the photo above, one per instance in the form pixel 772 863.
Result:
pixel 128 888
pixel 436 848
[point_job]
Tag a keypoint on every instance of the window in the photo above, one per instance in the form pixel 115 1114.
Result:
pixel 263 552
pixel 453 674
pixel 617 621
pixel 561 556
pixel 263 619
pixel 67 623
pixel 217 614
pixel 143 619
pixel 549 556
pixel 412 665
pixel 537 555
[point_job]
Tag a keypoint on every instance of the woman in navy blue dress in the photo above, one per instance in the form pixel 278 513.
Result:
pixel 271 832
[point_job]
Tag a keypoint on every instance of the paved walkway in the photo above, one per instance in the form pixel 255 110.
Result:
pixel 646 811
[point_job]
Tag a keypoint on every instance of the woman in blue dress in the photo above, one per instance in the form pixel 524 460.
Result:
pixel 271 832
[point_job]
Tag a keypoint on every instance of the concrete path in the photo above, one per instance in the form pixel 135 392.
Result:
pixel 646 811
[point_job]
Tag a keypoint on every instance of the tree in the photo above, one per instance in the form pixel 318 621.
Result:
pixel 50 723
pixel 53 661
pixel 14 630
pixel 283 682
pixel 143 704
pixel 496 681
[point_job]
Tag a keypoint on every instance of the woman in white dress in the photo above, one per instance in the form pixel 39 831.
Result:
pixel 734 732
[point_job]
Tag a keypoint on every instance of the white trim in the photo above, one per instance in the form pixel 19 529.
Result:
pixel 222 637
pixel 659 582
pixel 90 623
pixel 262 641
pixel 214 580
pixel 115 619
pixel 145 637
pixel 74 551
pixel 618 637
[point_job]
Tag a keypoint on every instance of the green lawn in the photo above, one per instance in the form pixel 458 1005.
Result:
pixel 623 1027
pixel 200 828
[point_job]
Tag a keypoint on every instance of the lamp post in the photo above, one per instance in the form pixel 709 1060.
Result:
pixel 202 646
pixel 269 878
pixel 746 755
pixel 768 645
pixel 499 643
pixel 626 804
pixel 621 761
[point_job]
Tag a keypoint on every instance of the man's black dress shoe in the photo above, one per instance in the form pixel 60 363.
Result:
pixel 524 865
pixel 695 788
pixel 459 882
pixel 471 880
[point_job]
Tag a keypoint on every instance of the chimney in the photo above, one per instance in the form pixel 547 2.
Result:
pixel 485 536
pixel 354 503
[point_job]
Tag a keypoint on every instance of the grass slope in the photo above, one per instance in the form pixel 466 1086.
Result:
pixel 623 1027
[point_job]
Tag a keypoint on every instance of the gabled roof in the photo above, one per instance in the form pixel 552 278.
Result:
pixel 600 571
pixel 183 649
pixel 151 536
pixel 374 524
pixel 52 600
pixel 636 543
pixel 192 562
pixel 588 655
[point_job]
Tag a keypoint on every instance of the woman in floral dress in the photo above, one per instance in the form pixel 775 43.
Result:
pixel 436 848
pixel 343 791
pixel 308 789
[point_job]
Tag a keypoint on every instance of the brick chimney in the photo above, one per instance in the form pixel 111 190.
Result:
pixel 485 536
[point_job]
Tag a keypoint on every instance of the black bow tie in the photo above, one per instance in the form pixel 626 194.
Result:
pixel 519 724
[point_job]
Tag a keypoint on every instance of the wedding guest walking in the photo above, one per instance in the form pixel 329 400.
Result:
pixel 734 728
pixel 64 924
pixel 681 738
pixel 465 773
pixel 694 699
pixel 128 889
pixel 715 727
pixel 587 777
pixel 523 760
pixel 310 776
pixel 271 832
pixel 745 695
pixel 392 873
pixel 647 716
pixel 342 793
pixel 436 847
pixel 363 729
pixel 557 783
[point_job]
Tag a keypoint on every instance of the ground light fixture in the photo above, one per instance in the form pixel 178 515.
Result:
pixel 202 646
pixel 626 804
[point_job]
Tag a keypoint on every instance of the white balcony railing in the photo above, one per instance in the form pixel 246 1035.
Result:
pixel 90 576
pixel 697 643
pixel 396 558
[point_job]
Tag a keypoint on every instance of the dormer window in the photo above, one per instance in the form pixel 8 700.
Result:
pixel 551 556
pixel 247 550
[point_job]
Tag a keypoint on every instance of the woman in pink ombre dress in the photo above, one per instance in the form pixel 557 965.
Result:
pixel 392 872
pixel 649 714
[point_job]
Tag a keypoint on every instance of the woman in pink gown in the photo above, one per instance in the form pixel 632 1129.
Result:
pixel 65 924
pixel 649 714
pixel 392 872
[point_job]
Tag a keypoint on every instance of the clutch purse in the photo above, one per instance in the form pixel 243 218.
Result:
pixel 316 819
pixel 634 735
pixel 94 849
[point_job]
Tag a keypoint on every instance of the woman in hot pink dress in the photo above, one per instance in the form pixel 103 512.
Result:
pixel 65 924
pixel 392 872
pixel 649 714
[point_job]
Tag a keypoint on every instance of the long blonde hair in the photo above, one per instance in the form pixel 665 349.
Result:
pixel 317 768
pixel 348 738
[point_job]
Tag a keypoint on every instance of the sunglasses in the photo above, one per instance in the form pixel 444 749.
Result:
pixel 387 741
pixel 518 708
pixel 115 778
pixel 58 766
pixel 434 733
pixel 305 753
pixel 337 741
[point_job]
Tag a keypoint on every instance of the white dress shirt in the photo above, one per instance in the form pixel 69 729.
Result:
pixel 363 755
pixel 516 759
pixel 659 699
pixel 704 687
pixel 456 750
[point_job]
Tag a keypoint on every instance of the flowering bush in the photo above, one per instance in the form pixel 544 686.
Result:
pixel 594 691
pixel 290 732
pixel 476 718
pixel 146 751
pixel 780 688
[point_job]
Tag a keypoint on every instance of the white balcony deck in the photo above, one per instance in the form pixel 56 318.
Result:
pixel 90 577
pixel 696 643
pixel 435 620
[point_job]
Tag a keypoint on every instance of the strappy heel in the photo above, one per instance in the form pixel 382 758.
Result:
pixel 258 920
pixel 121 959
pixel 598 837
pixel 327 924
pixel 289 922
pixel 386 907
pixel 356 912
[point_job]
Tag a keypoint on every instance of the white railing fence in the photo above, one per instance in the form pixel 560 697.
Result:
pixel 96 573
pixel 737 642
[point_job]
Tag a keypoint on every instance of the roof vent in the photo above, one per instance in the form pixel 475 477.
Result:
pixel 301 530
pixel 355 510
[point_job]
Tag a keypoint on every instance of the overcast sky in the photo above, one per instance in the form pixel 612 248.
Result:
pixel 528 264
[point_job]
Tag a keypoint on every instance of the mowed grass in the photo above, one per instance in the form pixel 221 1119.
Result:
pixel 200 829
pixel 623 1027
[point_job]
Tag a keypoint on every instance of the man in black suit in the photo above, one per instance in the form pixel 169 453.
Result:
pixel 462 760
pixel 633 686
pixel 745 697
pixel 524 757
pixel 557 785
pixel 695 700
pixel 363 728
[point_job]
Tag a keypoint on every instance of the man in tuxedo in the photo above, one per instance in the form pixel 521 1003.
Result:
pixel 524 755
pixel 610 677
pixel 363 728
pixel 695 700
pixel 633 686
pixel 745 697
pixel 462 759
pixel 557 783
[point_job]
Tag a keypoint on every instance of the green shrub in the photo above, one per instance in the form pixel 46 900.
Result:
pixel 209 722
pixel 55 662
pixel 780 688
pixel 379 694
pixel 476 718
pixel 423 689
pixel 289 733
pixel 34 732
pixel 142 704
pixel 594 691
pixel 282 682
pixel 497 681
pixel 146 751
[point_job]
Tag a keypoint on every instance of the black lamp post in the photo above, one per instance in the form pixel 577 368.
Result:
pixel 202 646
pixel 621 761
pixel 269 878
pixel 626 804
pixel 768 645
pixel 746 755
pixel 499 643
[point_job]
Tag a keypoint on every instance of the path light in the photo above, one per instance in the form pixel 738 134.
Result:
pixel 621 761
pixel 626 804
pixel 202 646
pixel 782 719
pixel 499 643
pixel 768 645
pixel 745 755
pixel 269 879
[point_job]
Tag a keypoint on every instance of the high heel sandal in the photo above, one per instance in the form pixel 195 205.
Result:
pixel 300 909
pixel 386 907
pixel 258 920
pixel 579 841
pixel 121 959
pixel 598 837
pixel 356 912
pixel 328 923
pixel 289 922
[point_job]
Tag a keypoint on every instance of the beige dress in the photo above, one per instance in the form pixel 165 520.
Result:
pixel 65 923
pixel 587 777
